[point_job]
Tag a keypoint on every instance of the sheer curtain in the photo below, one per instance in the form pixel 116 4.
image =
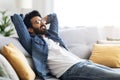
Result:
pixel 89 13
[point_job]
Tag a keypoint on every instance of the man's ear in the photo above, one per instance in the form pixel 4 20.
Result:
pixel 30 30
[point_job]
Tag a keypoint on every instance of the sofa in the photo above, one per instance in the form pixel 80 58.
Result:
pixel 79 41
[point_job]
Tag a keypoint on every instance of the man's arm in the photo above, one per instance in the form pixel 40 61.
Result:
pixel 53 21
pixel 22 32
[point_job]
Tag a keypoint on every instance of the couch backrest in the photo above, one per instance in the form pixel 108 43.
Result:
pixel 80 40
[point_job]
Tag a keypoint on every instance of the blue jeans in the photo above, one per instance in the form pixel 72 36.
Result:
pixel 88 70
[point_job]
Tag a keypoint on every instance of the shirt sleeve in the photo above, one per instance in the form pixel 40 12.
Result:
pixel 22 32
pixel 53 21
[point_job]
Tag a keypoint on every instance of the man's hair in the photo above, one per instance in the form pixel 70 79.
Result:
pixel 29 16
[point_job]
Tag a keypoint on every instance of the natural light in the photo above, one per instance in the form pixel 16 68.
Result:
pixel 88 13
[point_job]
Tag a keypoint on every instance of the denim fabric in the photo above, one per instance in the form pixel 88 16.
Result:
pixel 87 70
pixel 35 44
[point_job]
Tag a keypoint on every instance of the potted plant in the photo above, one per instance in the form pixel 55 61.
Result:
pixel 6 27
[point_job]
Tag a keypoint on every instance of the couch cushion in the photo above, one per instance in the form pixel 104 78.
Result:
pixel 15 41
pixel 6 69
pixel 18 61
pixel 80 40
pixel 74 36
pixel 6 40
pixel 81 50
pixel 106 54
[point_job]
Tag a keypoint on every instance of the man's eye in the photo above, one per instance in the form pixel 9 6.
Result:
pixel 37 22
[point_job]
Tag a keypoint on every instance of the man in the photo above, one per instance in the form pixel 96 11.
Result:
pixel 50 54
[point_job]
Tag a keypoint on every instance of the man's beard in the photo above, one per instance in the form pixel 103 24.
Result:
pixel 40 31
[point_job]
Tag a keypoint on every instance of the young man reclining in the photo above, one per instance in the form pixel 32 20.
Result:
pixel 50 54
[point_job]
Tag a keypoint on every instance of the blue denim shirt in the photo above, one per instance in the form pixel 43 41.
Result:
pixel 35 44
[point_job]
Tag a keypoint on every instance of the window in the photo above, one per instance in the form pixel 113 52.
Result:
pixel 98 13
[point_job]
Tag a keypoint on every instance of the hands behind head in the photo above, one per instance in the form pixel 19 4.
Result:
pixel 44 19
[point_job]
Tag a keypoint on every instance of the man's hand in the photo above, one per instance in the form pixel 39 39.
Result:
pixel 44 19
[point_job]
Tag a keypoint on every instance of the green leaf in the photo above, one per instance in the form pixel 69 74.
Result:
pixel 6 24
pixel 8 33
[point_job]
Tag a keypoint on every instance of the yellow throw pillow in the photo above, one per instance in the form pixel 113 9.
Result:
pixel 106 54
pixel 18 61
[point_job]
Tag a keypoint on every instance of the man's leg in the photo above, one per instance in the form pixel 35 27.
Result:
pixel 90 71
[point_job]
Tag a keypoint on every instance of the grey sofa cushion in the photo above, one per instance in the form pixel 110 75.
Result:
pixel 6 40
pixel 80 40
pixel 6 70
pixel 81 50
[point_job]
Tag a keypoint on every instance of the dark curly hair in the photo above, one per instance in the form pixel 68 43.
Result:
pixel 29 16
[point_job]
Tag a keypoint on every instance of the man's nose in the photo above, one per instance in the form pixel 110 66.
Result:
pixel 43 23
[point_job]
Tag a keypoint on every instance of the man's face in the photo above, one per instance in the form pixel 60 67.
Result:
pixel 38 25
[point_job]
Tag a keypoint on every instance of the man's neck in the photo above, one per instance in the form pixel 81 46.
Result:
pixel 43 36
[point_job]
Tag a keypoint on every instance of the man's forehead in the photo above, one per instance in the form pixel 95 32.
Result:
pixel 36 18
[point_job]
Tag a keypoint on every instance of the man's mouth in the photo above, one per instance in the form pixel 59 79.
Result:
pixel 42 27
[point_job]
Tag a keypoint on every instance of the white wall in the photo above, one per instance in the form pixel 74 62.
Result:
pixel 7 4
pixel 98 13
pixel 44 6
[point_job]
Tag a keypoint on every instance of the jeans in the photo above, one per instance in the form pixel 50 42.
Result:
pixel 88 70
